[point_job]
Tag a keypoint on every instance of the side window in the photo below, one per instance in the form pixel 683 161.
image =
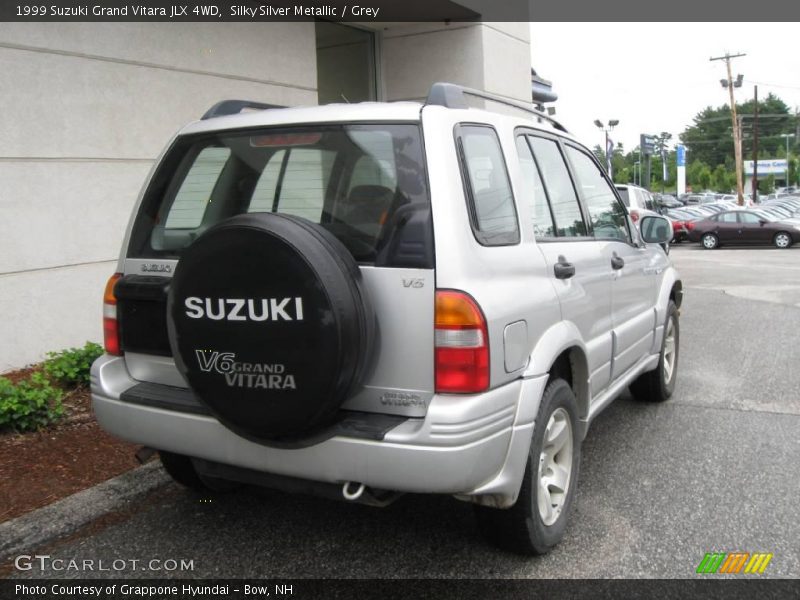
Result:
pixel 605 211
pixel 189 206
pixel 494 215
pixel 563 201
pixel 747 218
pixel 534 192
pixel 729 217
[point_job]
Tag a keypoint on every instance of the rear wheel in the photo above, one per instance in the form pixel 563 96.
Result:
pixel 181 469
pixel 536 523
pixel 782 240
pixel 710 241
pixel 657 385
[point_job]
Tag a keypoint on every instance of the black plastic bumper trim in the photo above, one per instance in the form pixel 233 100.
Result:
pixel 349 423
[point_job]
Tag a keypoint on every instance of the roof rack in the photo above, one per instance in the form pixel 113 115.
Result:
pixel 451 95
pixel 234 107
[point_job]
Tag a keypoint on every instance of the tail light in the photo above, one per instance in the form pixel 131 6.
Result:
pixel 110 323
pixel 634 215
pixel 461 343
pixel 689 225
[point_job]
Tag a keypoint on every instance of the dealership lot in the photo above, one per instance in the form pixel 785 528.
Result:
pixel 714 469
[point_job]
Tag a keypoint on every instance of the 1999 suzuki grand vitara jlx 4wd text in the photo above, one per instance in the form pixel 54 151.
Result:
pixel 381 298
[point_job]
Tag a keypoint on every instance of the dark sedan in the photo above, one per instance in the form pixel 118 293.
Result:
pixel 741 227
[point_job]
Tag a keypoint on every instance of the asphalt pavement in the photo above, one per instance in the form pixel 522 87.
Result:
pixel 715 469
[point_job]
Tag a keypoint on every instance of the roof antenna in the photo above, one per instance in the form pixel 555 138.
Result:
pixel 345 98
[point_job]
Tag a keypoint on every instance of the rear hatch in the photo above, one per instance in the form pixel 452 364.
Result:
pixel 363 182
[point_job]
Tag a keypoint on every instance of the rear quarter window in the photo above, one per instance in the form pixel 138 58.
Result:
pixel 491 203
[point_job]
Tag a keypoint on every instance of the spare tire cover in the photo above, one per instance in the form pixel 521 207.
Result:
pixel 270 324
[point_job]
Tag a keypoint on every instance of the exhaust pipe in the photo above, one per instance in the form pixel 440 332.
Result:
pixel 350 491
pixel 352 495
pixel 360 493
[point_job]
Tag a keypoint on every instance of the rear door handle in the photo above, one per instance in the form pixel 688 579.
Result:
pixel 563 269
pixel 617 262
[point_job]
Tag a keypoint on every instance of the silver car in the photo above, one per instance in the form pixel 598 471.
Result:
pixel 371 299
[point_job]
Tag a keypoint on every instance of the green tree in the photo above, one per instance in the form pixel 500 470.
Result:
pixel 722 180
pixel 767 185
pixel 698 175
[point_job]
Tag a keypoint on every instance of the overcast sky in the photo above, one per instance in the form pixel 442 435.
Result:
pixel 655 77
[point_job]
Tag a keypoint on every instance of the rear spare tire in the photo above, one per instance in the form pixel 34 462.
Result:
pixel 270 324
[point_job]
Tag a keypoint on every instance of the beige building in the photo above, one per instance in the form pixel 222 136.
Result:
pixel 87 107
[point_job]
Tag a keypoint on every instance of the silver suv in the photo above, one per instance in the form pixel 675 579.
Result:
pixel 379 298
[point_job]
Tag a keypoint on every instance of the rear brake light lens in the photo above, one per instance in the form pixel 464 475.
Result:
pixel 689 225
pixel 285 139
pixel 110 323
pixel 461 342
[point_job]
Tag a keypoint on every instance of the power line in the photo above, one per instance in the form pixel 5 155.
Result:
pixel 777 85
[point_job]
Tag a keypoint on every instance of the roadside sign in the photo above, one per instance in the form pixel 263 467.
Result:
pixel 647 143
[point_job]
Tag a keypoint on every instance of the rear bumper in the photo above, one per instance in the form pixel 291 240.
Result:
pixel 465 445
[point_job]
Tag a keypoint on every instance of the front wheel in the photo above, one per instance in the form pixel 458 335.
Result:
pixel 710 241
pixel 782 240
pixel 658 385
pixel 536 523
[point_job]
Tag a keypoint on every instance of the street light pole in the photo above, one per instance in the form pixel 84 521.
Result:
pixel 611 124
pixel 737 148
pixel 786 136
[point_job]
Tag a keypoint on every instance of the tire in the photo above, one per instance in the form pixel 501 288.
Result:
pixel 709 241
pixel 526 528
pixel 181 469
pixel 782 240
pixel 270 324
pixel 657 385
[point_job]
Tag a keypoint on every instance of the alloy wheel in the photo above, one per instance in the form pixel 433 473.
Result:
pixel 782 240
pixel 670 351
pixel 555 466
pixel 709 242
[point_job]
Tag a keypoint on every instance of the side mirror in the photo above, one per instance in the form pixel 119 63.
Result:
pixel 655 230
pixel 762 222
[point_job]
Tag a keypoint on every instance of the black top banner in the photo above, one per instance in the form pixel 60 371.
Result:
pixel 389 11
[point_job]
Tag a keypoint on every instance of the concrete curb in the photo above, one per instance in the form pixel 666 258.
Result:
pixel 29 531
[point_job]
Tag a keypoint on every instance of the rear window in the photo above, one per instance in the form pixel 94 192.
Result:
pixel 366 184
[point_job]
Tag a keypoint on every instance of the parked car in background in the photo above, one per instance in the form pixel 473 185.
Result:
pixel 637 200
pixel 682 223
pixel 743 227
pixel 665 201
pixel 700 198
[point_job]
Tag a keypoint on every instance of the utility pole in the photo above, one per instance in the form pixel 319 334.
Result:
pixel 737 148
pixel 755 145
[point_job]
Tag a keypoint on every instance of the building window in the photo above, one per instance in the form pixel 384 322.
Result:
pixel 345 64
